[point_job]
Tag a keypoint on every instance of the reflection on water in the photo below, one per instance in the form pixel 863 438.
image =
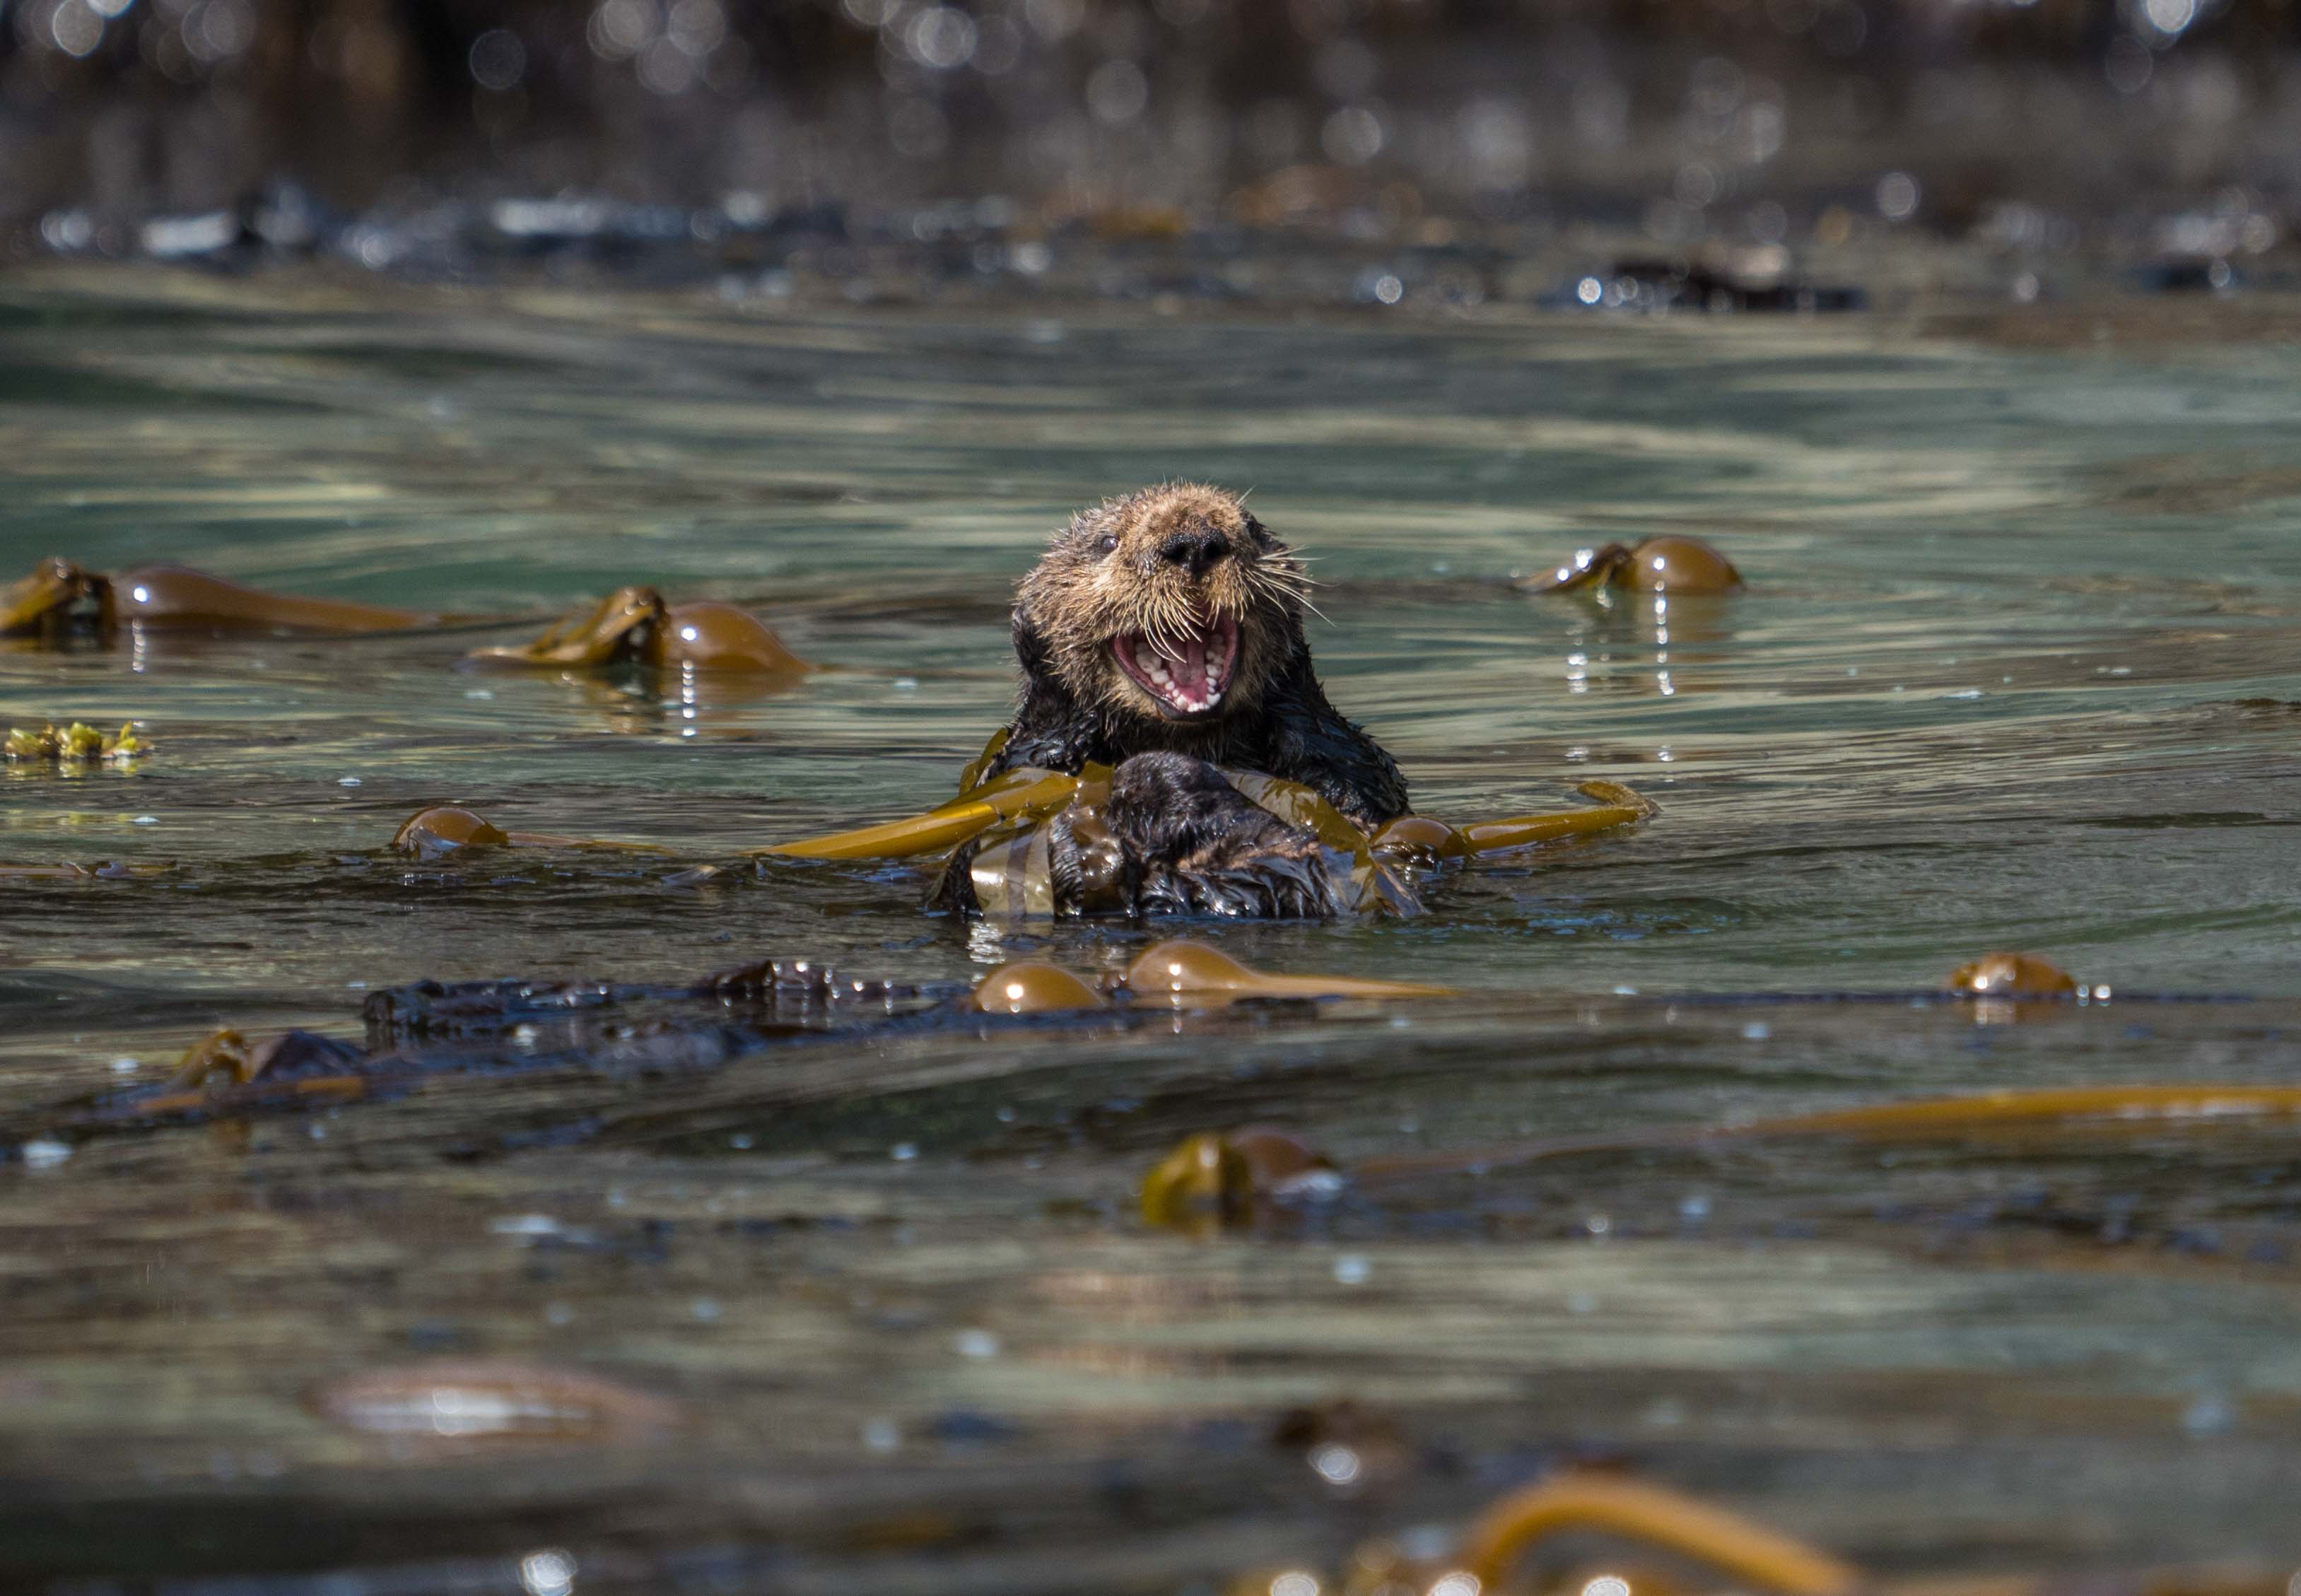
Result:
pixel 892 1281
pixel 1646 643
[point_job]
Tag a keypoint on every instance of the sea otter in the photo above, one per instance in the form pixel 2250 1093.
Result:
pixel 1161 633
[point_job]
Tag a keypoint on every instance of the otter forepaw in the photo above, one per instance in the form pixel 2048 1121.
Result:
pixel 1270 886
pixel 1199 846
pixel 1174 837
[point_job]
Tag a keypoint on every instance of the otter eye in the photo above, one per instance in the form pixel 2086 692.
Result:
pixel 1107 544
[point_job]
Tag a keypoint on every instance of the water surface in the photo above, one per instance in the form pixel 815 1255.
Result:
pixel 2017 668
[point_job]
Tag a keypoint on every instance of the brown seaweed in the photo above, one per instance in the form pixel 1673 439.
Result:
pixel 1211 1176
pixel 61 603
pixel 1751 1555
pixel 445 829
pixel 635 627
pixel 2012 975
pixel 57 603
pixel 176 595
pixel 1668 565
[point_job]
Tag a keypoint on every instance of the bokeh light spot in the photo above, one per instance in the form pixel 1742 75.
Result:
pixel 1897 196
pixel 499 60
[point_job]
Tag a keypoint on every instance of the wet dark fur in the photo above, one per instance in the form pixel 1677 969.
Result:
pixel 1177 837
pixel 1196 845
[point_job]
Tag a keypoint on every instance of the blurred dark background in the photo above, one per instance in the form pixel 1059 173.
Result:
pixel 1688 118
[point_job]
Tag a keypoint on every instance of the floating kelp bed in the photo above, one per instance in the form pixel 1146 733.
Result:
pixel 572 1189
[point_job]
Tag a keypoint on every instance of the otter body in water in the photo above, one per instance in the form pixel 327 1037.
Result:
pixel 1161 634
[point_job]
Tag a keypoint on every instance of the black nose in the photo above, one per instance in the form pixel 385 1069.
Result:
pixel 1195 548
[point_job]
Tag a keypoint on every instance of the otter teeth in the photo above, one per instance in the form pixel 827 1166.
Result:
pixel 1190 679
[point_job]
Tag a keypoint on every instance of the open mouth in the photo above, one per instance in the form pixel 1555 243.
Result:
pixel 1187 674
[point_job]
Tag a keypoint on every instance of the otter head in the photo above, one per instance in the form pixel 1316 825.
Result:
pixel 1171 604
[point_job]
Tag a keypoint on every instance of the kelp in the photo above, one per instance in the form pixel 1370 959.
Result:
pixel 1636 1519
pixel 1742 1553
pixel 61 603
pixel 636 627
pixel 1668 565
pixel 58 601
pixel 1177 973
pixel 177 596
pixel 1195 974
pixel 1013 869
pixel 428 1029
pixel 228 1055
pixel 445 829
pixel 2066 1108
pixel 1751 1555
pixel 431 1028
pixel 223 1069
pixel 1212 1181
pixel 1024 793
pixel 2012 975
pixel 1009 818
pixel 1031 986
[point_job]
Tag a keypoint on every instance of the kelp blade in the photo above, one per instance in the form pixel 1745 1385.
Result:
pixel 586 638
pixel 1618 806
pixel 177 596
pixel 1763 1558
pixel 2146 1105
pixel 1019 793
pixel 44 602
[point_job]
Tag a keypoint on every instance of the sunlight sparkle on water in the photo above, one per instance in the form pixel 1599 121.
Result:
pixel 550 1572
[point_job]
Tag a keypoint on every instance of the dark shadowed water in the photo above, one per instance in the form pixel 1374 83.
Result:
pixel 2019 665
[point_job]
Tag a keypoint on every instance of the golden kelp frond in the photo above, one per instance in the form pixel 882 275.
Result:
pixel 57 599
pixel 176 595
pixel 634 626
pixel 1753 1554
pixel 1668 565
pixel 1024 792
pixel 445 829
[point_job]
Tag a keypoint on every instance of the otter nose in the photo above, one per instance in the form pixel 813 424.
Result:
pixel 1194 548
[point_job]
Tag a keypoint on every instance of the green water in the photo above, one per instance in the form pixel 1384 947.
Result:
pixel 2018 667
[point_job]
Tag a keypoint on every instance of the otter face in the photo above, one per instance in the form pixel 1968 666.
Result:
pixel 1173 603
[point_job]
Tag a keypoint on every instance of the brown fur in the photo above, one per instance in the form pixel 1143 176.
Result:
pixel 1104 576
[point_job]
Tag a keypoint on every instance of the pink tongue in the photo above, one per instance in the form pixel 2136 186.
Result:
pixel 1191 670
pixel 1188 668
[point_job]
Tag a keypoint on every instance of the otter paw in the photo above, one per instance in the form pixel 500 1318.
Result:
pixel 1199 846
pixel 1270 886
pixel 1167 807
